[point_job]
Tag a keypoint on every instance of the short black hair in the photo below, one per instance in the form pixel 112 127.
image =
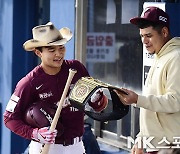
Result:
pixel 145 23
pixel 39 48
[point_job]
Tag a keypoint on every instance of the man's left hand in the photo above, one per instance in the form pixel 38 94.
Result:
pixel 129 98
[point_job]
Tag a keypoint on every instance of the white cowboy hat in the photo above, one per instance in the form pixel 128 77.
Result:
pixel 47 35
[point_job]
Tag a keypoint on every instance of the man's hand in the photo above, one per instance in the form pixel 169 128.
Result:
pixel 129 98
pixel 136 150
pixel 44 135
pixel 98 101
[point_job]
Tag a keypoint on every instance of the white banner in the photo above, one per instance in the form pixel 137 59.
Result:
pixel 100 47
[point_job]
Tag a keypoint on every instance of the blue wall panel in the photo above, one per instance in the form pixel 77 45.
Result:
pixel 62 14
pixel 173 9
pixel 6 19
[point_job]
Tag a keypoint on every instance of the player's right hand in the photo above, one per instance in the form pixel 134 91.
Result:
pixel 44 135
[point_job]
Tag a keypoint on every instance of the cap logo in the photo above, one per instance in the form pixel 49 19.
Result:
pixel 164 19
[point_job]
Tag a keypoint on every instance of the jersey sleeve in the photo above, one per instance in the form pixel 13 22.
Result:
pixel 14 113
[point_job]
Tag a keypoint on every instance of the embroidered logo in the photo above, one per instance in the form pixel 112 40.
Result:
pixel 37 88
pixel 164 19
pixel 45 95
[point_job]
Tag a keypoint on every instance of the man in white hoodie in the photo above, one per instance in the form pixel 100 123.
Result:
pixel 160 102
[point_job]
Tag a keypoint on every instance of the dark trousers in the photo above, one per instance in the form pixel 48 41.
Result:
pixel 90 142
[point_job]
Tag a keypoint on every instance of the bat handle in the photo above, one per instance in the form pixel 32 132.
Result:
pixel 45 149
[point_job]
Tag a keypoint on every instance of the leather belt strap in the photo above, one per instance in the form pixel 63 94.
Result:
pixel 68 142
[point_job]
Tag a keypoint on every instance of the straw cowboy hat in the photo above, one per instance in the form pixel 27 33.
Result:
pixel 47 35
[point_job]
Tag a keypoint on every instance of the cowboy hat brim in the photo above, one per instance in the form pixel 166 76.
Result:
pixel 31 44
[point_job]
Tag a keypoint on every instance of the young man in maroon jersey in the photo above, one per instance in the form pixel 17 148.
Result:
pixel 43 86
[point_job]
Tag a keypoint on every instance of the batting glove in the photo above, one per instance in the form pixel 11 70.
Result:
pixel 98 101
pixel 44 135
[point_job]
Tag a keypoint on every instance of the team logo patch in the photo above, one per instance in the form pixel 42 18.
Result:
pixel 12 103
pixel 45 95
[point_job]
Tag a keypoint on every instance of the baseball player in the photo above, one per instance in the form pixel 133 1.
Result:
pixel 34 100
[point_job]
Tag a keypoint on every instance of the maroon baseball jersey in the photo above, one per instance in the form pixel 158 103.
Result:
pixel 38 86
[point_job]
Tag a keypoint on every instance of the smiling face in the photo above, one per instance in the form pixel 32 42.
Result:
pixel 52 58
pixel 152 39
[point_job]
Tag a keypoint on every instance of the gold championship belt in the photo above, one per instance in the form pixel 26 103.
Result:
pixel 85 87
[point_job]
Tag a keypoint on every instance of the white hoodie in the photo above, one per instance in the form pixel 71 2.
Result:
pixel 160 103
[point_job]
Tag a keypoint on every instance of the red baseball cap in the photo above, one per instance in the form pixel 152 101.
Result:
pixel 153 14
